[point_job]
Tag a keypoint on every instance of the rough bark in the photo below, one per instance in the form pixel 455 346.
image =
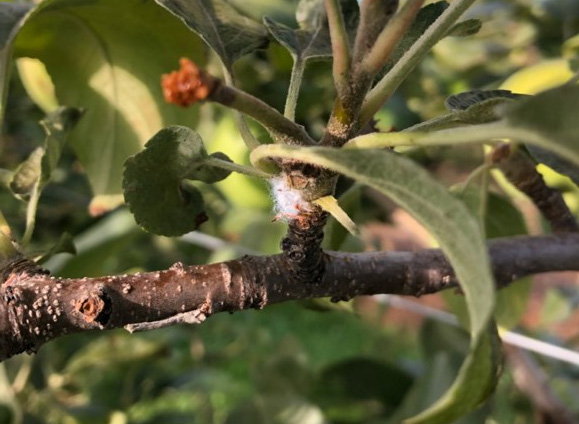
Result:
pixel 36 308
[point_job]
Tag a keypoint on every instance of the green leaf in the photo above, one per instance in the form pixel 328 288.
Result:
pixel 107 57
pixel 312 39
pixel 547 120
pixel 467 99
pixel 230 34
pixel 550 119
pixel 32 176
pixel 502 219
pixel 11 18
pixel 558 163
pixel 34 173
pixel 157 182
pixel 57 126
pixel 470 107
pixel 458 234
pixel 27 175
pixel 465 28
pixel 444 348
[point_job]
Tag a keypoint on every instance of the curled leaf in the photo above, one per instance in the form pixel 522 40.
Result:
pixel 27 175
pixel 34 173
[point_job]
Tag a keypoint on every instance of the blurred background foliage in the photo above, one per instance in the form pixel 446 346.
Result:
pixel 300 362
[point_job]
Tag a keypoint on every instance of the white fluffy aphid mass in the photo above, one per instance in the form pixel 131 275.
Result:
pixel 288 202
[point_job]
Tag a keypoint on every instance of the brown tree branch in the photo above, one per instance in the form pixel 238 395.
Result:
pixel 190 85
pixel 36 308
pixel 520 170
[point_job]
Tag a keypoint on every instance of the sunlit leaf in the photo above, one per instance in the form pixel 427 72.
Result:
pixel 37 83
pixel 157 183
pixel 542 76
pixel 458 234
pixel 107 57
pixel 556 162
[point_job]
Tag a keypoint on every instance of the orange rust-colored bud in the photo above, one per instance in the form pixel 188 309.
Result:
pixel 188 85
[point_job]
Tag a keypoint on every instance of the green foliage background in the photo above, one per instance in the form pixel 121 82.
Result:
pixel 293 363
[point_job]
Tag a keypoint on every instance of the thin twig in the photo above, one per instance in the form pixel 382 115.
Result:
pixel 512 338
pixel 387 85
pixel 246 135
pixel 236 167
pixel 389 37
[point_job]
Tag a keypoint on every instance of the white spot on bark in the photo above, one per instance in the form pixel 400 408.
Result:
pixel 226 278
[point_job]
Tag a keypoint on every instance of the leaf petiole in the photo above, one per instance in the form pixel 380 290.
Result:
pixel 294 89
pixel 235 167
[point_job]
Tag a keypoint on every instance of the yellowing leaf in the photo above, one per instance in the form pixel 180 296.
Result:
pixel 330 205
pixel 540 77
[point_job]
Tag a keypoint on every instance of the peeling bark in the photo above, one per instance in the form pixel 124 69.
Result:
pixel 36 308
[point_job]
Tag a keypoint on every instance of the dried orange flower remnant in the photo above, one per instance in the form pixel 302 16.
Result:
pixel 188 85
